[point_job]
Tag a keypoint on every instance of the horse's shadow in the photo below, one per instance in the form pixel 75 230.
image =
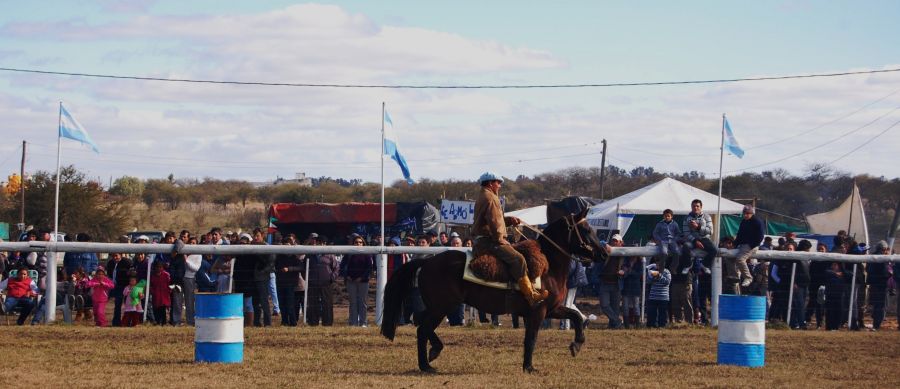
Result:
pixel 667 362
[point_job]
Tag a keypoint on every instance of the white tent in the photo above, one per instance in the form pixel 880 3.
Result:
pixel 849 216
pixel 535 215
pixel 652 199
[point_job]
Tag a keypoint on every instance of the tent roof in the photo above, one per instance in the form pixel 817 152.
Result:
pixel 534 215
pixel 654 198
pixel 849 214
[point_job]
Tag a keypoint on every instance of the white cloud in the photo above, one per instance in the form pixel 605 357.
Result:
pixel 150 129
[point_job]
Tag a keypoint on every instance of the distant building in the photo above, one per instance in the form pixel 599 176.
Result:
pixel 300 178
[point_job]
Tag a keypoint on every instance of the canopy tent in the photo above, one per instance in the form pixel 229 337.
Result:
pixel 849 216
pixel 647 204
pixel 535 216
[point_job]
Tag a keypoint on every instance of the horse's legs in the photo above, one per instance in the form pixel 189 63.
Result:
pixel 436 345
pixel 532 325
pixel 424 333
pixel 577 322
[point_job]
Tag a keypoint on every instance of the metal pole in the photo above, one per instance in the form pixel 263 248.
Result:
pixel 717 262
pixel 791 294
pixel 51 257
pixel 22 188
pixel 852 298
pixel 381 264
pixel 149 260
pixel 306 290
pixel 643 286
pixel 603 170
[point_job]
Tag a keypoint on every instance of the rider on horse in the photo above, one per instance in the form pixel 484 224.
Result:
pixel 490 231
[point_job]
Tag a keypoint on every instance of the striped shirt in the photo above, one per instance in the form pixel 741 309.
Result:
pixel 659 287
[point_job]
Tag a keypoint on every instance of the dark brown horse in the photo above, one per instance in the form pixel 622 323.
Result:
pixel 441 284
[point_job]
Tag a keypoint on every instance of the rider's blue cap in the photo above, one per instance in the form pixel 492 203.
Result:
pixel 488 176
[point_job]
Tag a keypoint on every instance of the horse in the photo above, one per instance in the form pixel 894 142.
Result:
pixel 440 282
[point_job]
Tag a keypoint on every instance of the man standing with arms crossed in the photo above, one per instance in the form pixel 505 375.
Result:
pixel 490 236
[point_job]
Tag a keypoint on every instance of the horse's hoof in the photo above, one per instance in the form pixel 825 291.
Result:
pixel 529 369
pixel 574 348
pixel 428 369
pixel 434 353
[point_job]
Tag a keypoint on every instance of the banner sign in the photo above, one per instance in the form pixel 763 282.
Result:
pixel 457 212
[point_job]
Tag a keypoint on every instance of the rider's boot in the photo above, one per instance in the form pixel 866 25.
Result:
pixel 532 296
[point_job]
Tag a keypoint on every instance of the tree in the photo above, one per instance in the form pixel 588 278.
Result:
pixel 83 206
pixel 127 186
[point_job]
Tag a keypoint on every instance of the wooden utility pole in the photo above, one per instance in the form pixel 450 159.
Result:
pixel 602 169
pixel 22 188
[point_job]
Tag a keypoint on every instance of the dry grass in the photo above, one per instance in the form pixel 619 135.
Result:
pixel 81 356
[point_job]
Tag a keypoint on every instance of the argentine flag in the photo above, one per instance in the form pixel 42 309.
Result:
pixel 731 143
pixel 70 128
pixel 391 149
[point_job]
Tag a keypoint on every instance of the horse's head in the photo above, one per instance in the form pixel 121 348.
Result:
pixel 573 234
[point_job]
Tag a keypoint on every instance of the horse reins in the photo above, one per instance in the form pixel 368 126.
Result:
pixel 570 226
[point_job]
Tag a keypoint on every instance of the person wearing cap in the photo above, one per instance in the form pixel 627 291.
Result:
pixel 750 234
pixel 100 286
pixel 610 294
pixel 490 231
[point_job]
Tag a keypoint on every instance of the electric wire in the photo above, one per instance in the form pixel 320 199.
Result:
pixel 385 86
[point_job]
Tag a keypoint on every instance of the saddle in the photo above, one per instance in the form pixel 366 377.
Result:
pixel 488 268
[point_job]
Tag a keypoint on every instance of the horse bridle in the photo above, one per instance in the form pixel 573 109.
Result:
pixel 571 225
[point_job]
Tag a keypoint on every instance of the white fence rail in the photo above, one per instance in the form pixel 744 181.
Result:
pixel 85 247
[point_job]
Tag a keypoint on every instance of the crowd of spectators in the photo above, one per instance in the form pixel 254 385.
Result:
pixel 163 287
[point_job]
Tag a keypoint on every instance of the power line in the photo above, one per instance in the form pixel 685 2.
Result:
pixel 826 123
pixel 817 146
pixel 865 143
pixel 385 86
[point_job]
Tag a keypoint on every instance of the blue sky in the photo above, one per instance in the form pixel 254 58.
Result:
pixel 258 133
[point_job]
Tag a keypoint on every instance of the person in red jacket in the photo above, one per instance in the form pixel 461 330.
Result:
pixel 20 292
pixel 159 292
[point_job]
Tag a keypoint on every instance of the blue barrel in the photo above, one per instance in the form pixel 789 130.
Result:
pixel 219 328
pixel 742 330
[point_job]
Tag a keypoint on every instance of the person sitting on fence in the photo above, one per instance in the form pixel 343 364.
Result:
pixel 21 291
pixel 665 235
pixel 749 236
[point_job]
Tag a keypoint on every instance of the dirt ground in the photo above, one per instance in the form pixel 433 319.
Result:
pixel 475 356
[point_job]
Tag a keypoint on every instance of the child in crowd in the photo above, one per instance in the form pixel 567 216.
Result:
pixel 665 236
pixel 658 298
pixel 100 286
pixel 82 295
pixel 160 294
pixel 131 303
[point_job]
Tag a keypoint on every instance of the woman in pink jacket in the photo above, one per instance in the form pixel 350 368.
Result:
pixel 100 286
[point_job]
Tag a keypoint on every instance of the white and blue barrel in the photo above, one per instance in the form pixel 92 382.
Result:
pixel 742 330
pixel 219 328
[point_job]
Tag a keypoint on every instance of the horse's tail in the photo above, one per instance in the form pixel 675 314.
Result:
pixel 398 287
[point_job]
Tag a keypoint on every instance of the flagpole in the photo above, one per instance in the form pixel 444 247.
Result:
pixel 381 264
pixel 717 227
pixel 50 294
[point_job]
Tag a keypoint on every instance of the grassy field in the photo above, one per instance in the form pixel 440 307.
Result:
pixel 82 356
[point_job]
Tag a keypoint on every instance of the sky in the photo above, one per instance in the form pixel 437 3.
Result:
pixel 150 129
